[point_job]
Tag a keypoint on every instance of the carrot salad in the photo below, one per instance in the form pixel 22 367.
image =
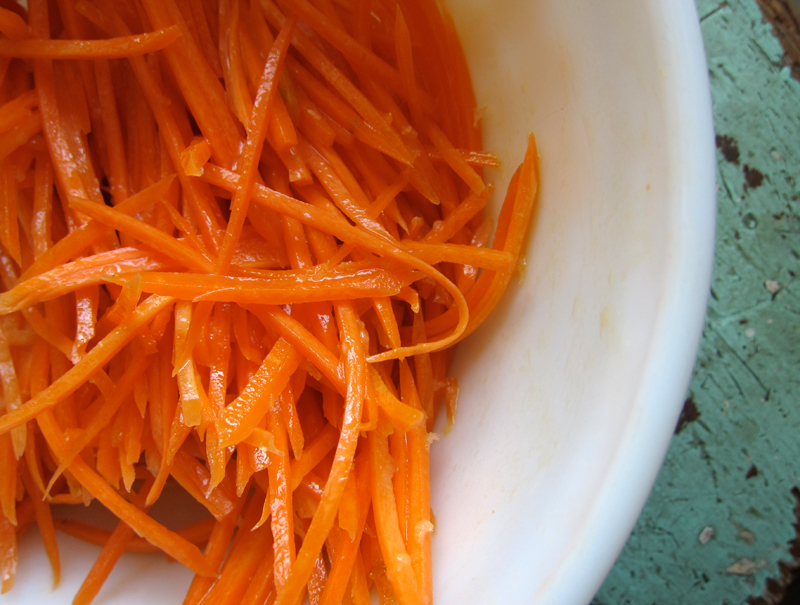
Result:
pixel 239 241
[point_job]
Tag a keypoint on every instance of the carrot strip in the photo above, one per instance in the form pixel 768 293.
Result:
pixel 405 63
pixel 257 129
pixel 151 236
pixel 12 25
pixel 11 393
pixel 486 258
pixel 398 563
pixel 241 416
pixel 8 480
pixel 355 369
pixel 86 300
pixel 196 480
pixel 239 99
pixel 16 110
pixel 313 454
pixel 112 551
pixel 70 246
pixel 345 215
pixel 358 583
pixel 480 159
pixel 261 590
pixel 455 160
pixel 86 271
pixel 344 283
pixel 217 546
pixel 403 417
pixel 348 549
pixel 317 581
pixel 346 232
pixel 446 229
pixel 197 534
pixel 15 138
pixel 115 146
pixel 360 56
pixel 419 518
pixel 279 502
pixel 8 554
pixel 240 567
pixel 389 141
pixel 93 360
pixel 157 534
pixel 114 48
pixel 124 386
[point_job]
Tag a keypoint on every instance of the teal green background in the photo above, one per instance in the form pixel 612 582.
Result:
pixel 733 468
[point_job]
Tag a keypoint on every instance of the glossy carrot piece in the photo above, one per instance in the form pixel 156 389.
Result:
pixel 112 551
pixel 12 25
pixel 156 533
pixel 420 527
pixel 347 552
pixel 14 111
pixel 249 293
pixel 94 359
pixel 115 48
pixel 216 548
pixel 257 130
pixel 355 370
pixel 8 554
pixel 398 563
pixel 279 504
pixel 197 534
pixel 242 415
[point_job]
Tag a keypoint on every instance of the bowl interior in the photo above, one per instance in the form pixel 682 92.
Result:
pixel 592 350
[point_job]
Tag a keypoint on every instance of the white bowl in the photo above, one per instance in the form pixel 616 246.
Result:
pixel 570 393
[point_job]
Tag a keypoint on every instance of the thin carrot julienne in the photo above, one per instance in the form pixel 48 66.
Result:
pixel 237 251
pixel 114 48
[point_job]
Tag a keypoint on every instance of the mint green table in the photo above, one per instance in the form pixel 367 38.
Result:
pixel 721 514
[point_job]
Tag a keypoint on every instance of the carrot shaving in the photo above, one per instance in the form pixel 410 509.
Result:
pixel 238 241
pixel 114 48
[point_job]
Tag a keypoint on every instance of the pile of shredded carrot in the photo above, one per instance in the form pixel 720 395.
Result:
pixel 239 241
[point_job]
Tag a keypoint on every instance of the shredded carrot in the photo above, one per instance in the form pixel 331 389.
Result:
pixel 238 241
pixel 114 48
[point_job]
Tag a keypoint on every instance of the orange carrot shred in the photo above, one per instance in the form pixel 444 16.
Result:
pixel 238 241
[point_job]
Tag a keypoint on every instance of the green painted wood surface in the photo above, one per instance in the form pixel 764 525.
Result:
pixel 721 513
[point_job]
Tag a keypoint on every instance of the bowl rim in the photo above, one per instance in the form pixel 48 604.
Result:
pixel 679 321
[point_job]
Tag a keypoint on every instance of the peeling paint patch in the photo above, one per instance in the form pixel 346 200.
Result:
pixel 752 177
pixel 690 413
pixel 729 148
pixel 706 535
pixel 743 567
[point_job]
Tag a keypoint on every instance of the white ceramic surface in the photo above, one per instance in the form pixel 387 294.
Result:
pixel 570 393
